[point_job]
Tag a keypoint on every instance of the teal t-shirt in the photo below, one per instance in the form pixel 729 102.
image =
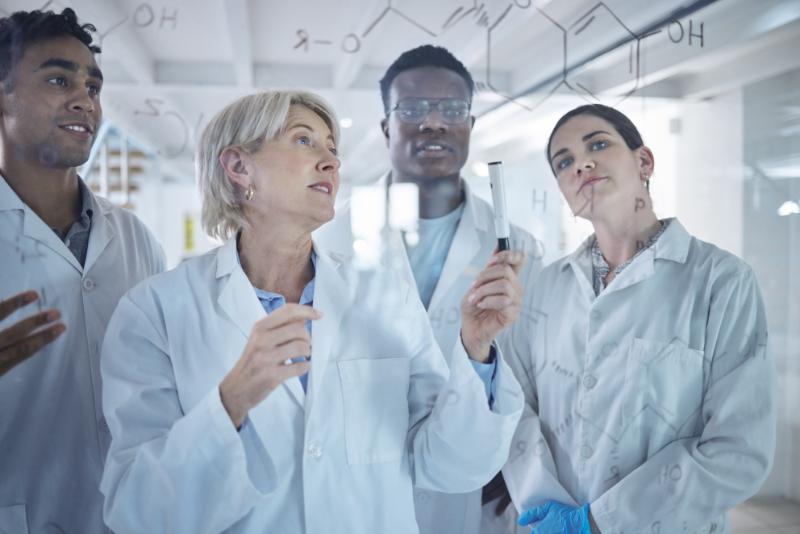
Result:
pixel 427 257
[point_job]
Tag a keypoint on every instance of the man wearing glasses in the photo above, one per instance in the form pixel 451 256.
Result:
pixel 427 97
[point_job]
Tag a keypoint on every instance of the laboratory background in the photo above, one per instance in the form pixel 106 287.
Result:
pixel 713 85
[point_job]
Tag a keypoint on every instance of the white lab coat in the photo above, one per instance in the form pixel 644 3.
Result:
pixel 52 433
pixel 654 401
pixel 381 411
pixel 473 244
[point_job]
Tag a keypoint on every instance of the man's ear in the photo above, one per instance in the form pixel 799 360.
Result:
pixel 385 129
pixel 234 162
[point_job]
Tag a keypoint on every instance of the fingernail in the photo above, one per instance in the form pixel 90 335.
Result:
pixel 471 298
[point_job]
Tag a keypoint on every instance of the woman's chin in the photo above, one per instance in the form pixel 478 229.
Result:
pixel 324 218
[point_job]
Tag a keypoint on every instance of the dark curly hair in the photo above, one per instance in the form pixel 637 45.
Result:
pixel 424 56
pixel 23 28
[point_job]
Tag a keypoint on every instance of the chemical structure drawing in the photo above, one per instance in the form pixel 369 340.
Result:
pixel 144 15
pixel 531 343
pixel 539 201
pixel 478 14
pixel 155 108
pixel 393 10
pixel 615 476
pixel 588 194
pixel 592 26
pixel 351 42
pixel 574 72
pixel 24 253
pixel 518 450
pixel 488 74
pixel 445 317
pixel 670 474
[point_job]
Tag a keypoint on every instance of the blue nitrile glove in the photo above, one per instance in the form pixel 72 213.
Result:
pixel 557 518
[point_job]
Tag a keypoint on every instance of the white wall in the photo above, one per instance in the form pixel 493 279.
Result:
pixel 164 208
pixel 709 171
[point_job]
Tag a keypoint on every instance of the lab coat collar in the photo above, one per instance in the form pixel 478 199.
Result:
pixel 332 296
pixel 673 245
pixel 35 228
pixel 580 262
pixel 466 244
pixel 101 233
pixel 239 302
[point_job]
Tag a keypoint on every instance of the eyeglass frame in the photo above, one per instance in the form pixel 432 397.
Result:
pixel 432 103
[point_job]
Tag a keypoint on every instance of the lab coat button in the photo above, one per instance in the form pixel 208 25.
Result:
pixel 595 315
pixel 314 450
pixel 589 381
pixel 88 284
pixel 586 452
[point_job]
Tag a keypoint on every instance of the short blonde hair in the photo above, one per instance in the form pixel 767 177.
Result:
pixel 244 124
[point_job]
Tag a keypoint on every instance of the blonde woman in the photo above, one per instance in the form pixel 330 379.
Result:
pixel 220 421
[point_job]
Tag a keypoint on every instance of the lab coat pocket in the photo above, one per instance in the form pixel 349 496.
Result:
pixel 12 519
pixel 375 396
pixel 663 384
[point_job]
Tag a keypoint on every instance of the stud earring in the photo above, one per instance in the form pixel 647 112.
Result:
pixel 250 193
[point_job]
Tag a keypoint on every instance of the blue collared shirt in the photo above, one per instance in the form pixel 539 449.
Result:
pixel 77 237
pixel 272 301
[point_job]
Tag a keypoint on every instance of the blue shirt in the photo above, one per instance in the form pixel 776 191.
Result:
pixel 77 237
pixel 427 257
pixel 272 301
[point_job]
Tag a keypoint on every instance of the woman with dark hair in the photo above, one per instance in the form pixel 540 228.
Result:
pixel 647 384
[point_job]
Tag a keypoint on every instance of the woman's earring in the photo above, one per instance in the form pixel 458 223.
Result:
pixel 250 193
